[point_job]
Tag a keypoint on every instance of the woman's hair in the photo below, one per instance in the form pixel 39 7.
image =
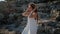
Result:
pixel 33 6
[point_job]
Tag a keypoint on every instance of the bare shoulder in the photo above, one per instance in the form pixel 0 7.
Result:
pixel 34 13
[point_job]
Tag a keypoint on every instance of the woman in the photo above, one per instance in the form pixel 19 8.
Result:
pixel 31 14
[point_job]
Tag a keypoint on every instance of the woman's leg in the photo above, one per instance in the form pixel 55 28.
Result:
pixel 34 31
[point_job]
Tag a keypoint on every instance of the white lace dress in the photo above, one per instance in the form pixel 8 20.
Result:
pixel 31 27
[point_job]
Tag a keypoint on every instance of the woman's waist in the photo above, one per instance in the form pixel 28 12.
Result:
pixel 32 21
pixel 32 18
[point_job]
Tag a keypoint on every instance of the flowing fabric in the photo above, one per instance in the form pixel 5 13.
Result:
pixel 31 27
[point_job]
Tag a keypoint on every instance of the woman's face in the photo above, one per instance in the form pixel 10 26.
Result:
pixel 30 8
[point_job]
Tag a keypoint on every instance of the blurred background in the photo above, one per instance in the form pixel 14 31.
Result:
pixel 12 21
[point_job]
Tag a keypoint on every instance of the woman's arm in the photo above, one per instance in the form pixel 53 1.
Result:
pixel 25 14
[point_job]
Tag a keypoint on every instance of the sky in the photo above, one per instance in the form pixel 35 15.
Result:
pixel 1 0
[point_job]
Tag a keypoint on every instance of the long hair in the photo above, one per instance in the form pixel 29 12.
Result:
pixel 33 6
